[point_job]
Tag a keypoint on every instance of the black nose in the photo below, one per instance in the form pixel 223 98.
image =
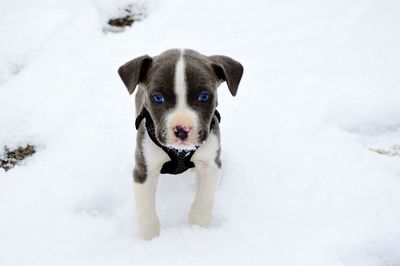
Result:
pixel 181 133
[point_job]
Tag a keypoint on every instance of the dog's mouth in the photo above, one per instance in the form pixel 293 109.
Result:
pixel 182 144
pixel 178 140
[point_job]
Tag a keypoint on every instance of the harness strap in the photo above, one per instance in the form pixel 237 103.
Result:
pixel 180 159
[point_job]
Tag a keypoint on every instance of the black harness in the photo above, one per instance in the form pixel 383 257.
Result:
pixel 180 159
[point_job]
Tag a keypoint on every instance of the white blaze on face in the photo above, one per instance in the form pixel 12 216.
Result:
pixel 181 115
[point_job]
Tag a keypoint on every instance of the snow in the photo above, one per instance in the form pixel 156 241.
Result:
pixel 300 184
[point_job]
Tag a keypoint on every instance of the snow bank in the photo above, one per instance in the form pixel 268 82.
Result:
pixel 300 185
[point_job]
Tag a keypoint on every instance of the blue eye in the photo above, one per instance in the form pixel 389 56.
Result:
pixel 158 98
pixel 204 96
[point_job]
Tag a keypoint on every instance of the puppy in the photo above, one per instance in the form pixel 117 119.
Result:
pixel 178 126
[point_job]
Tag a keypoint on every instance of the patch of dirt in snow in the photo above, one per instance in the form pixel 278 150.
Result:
pixel 125 17
pixel 383 140
pixel 13 157
pixel 392 151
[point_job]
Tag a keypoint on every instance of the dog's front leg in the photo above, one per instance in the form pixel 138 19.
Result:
pixel 208 176
pixel 148 223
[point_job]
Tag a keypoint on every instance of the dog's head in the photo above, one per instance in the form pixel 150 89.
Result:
pixel 180 88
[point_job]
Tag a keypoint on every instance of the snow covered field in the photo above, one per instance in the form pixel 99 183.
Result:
pixel 301 184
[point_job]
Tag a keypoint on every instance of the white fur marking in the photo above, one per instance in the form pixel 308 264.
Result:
pixel 208 176
pixel 180 84
pixel 182 114
pixel 207 152
pixel 148 223
pixel 153 155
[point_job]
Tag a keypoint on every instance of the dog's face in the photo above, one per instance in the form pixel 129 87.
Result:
pixel 180 88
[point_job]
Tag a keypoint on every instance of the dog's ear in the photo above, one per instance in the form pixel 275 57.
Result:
pixel 134 71
pixel 229 70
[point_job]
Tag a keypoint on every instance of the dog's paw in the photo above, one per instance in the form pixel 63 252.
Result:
pixel 149 228
pixel 200 215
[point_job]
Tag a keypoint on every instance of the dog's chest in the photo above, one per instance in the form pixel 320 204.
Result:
pixel 155 157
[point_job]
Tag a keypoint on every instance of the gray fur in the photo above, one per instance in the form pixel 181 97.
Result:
pixel 133 71
pixel 229 70
pixel 156 74
pixel 216 131
pixel 160 78
pixel 140 171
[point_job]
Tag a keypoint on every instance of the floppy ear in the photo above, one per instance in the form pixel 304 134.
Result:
pixel 229 70
pixel 134 71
